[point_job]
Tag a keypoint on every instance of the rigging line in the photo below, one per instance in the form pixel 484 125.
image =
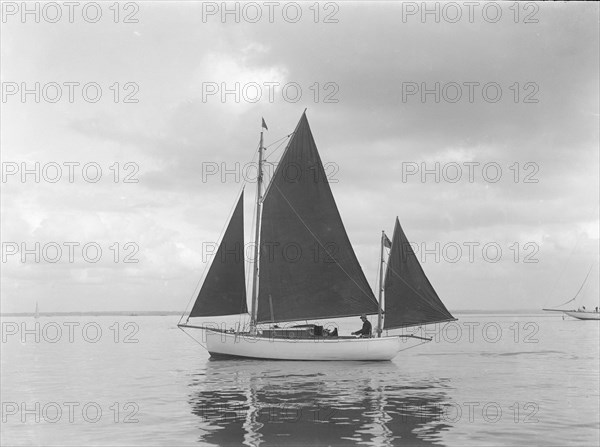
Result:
pixel 317 239
pixel 222 234
pixel 376 282
pixel 274 151
pixel 249 265
pixel 377 274
pixel 580 288
pixel 410 347
pixel 268 186
pixel 434 305
pixel 562 272
pixel 200 343
pixel 280 141
pixel 208 264
pixel 379 282
pixel 276 141
pixel 584 281
pixel 272 163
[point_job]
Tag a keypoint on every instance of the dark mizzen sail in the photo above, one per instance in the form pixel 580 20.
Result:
pixel 224 289
pixel 307 264
pixel 410 299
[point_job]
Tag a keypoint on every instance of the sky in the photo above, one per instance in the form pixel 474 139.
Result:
pixel 151 114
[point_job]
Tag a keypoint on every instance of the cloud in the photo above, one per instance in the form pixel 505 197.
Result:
pixel 368 138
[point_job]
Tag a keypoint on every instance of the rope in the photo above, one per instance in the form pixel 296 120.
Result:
pixel 222 233
pixel 580 288
pixel 562 272
pixel 376 281
pixel 200 343
pixel 410 347
pixel 280 141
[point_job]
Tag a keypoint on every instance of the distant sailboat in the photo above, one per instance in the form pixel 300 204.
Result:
pixel 581 313
pixel 36 315
pixel 318 277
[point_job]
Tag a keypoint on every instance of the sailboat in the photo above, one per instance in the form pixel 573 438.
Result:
pixel 304 268
pixel 36 315
pixel 580 313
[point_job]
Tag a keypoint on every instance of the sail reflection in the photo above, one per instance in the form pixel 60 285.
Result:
pixel 257 403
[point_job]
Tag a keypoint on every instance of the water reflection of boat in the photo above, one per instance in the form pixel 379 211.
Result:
pixel 316 403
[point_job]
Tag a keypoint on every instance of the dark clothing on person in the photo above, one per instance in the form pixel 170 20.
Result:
pixel 365 331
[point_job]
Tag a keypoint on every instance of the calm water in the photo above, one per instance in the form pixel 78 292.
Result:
pixel 487 380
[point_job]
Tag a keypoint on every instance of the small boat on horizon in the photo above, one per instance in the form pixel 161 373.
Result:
pixel 581 313
pixel 305 269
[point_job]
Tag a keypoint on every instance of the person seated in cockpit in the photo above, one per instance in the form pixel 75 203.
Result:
pixel 366 330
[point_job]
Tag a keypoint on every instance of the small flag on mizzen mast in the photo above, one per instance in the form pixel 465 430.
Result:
pixel 386 241
pixel 264 125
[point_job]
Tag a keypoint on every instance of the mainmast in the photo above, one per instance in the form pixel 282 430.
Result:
pixel 379 308
pixel 256 236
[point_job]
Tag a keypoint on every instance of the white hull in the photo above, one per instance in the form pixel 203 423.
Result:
pixel 319 349
pixel 584 315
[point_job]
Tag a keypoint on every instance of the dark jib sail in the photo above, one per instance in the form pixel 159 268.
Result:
pixel 224 289
pixel 308 269
pixel 410 299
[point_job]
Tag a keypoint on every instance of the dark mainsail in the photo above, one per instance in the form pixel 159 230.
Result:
pixel 224 289
pixel 410 299
pixel 308 269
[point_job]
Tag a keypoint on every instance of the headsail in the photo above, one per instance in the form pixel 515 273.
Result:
pixel 308 269
pixel 224 289
pixel 410 299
